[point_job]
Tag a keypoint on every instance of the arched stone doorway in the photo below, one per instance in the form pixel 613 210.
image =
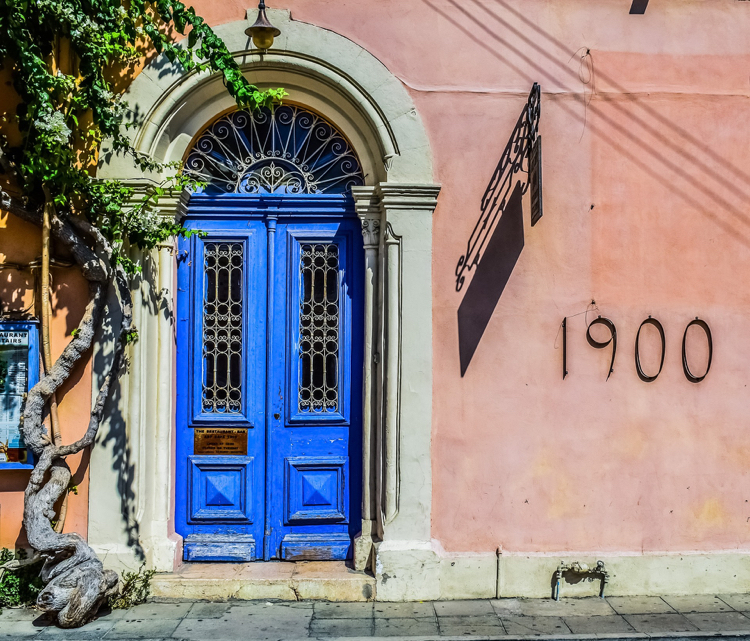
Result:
pixel 336 78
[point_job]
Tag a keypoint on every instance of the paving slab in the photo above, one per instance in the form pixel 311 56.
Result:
pixel 361 610
pixel 22 629
pixel 327 628
pixel 534 625
pixel 589 606
pixel 740 602
pixel 208 610
pixel 639 605
pixel 650 623
pixel 269 607
pixel 510 607
pixel 20 614
pixel 697 603
pixel 402 626
pixel 158 611
pixel 258 624
pixel 598 625
pixel 719 621
pixel 416 610
pixel 94 630
pixel 142 628
pixel 463 608
pixel 483 625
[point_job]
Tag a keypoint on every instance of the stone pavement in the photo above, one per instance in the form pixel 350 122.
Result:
pixel 672 618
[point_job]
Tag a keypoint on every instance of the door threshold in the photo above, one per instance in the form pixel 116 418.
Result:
pixel 277 580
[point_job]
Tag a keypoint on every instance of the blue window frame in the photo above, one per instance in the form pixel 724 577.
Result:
pixel 19 372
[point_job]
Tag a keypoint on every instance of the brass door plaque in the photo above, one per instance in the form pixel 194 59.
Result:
pixel 220 441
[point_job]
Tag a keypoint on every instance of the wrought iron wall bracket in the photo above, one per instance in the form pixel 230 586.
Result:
pixel 516 159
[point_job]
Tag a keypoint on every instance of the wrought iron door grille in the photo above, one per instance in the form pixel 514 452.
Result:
pixel 319 328
pixel 222 328
pixel 286 151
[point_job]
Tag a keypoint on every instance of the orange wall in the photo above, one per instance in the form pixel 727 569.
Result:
pixel 20 242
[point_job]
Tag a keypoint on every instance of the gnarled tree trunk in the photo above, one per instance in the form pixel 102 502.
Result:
pixel 76 582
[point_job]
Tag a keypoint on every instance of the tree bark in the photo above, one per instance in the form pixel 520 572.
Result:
pixel 76 582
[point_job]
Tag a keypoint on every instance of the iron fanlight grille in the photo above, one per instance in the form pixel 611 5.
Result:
pixel 289 150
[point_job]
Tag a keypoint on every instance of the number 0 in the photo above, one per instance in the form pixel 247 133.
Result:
pixel 641 374
pixel 686 368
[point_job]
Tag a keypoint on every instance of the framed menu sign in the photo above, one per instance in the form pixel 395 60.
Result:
pixel 19 369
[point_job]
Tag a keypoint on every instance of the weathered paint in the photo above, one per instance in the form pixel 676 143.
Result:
pixel 259 498
pixel 646 195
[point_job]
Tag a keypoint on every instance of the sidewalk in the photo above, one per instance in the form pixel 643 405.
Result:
pixel 673 618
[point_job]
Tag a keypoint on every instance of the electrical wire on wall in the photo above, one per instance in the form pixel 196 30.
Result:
pixel 587 76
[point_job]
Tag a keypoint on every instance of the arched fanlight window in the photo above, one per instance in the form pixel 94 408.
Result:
pixel 289 150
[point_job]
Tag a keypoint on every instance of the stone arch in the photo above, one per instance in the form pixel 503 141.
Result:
pixel 358 94
pixel 340 80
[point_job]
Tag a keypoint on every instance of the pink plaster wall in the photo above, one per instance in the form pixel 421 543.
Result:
pixel 656 139
pixel 655 136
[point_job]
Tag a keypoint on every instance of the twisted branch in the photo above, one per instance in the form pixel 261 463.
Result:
pixel 76 582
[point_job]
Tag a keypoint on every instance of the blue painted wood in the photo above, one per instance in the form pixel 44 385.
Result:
pixel 232 548
pixel 220 489
pixel 302 472
pixel 212 538
pixel 316 547
pixel 315 489
pixel 32 327
pixel 318 438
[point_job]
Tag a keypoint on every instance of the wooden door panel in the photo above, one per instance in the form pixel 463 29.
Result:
pixel 317 344
pixel 220 386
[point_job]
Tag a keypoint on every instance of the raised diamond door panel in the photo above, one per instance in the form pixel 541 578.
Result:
pixel 315 489
pixel 220 488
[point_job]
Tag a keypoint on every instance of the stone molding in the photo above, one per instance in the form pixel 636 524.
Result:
pixel 318 67
pixel 392 509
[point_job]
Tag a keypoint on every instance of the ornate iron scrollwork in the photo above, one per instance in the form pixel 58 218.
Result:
pixel 222 328
pixel 515 159
pixel 319 328
pixel 289 150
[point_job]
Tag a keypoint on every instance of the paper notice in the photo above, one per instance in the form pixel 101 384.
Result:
pixel 14 376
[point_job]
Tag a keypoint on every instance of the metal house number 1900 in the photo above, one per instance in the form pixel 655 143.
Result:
pixel 606 322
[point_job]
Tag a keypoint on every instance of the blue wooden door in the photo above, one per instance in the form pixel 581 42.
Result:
pixel 269 345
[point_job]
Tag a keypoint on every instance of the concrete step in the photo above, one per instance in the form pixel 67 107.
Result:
pixel 321 580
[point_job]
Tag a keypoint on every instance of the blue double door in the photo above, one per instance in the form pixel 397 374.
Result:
pixel 268 382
